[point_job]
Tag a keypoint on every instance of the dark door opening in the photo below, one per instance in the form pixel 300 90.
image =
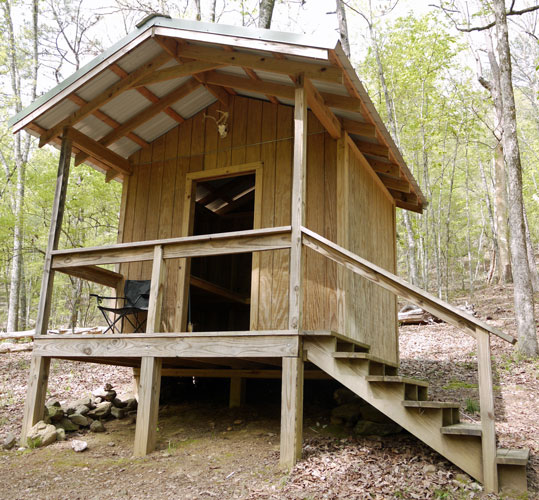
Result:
pixel 220 286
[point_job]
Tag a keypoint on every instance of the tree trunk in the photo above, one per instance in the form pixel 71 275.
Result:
pixel 534 275
pixel 523 294
pixel 265 8
pixel 343 27
pixel 500 196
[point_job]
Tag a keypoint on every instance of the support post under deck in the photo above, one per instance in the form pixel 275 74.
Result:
pixel 292 374
pixel 148 405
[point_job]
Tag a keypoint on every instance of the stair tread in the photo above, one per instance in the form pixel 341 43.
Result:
pixel 363 355
pixel 508 456
pixel 462 429
pixel 429 404
pixel 396 379
pixel 338 336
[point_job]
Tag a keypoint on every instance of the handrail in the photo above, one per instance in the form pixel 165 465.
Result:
pixel 253 240
pixel 398 286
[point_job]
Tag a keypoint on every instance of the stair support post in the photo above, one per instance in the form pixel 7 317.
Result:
pixel 148 405
pixel 486 403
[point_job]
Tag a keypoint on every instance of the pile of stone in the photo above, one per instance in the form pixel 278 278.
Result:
pixel 84 414
pixel 359 417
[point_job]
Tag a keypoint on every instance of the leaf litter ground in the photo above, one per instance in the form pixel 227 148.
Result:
pixel 206 450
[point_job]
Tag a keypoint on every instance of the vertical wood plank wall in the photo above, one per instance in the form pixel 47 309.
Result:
pixel 262 131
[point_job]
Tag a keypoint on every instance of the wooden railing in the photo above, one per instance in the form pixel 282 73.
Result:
pixel 478 329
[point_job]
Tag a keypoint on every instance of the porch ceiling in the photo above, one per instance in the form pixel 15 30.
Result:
pixel 168 70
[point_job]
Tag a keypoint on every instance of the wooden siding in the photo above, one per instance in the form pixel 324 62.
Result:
pixel 262 131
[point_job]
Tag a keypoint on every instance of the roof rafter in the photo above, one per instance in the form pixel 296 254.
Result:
pixel 145 115
pixel 186 69
pixel 147 93
pixel 326 117
pixel 108 120
pixel 100 152
pixel 264 63
pixel 104 97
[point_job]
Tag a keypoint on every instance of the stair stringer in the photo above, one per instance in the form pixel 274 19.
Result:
pixel 463 451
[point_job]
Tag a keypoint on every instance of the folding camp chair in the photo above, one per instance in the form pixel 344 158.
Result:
pixel 135 305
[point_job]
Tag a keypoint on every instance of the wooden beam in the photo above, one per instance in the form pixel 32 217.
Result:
pixel 452 315
pixel 187 69
pixel 225 344
pixel 291 411
pixel 358 128
pixel 144 116
pixel 95 274
pixel 255 240
pixel 321 111
pixel 222 292
pixel 237 392
pixel 45 296
pixel 299 169
pixel 372 148
pixel 96 150
pixel 409 198
pixel 104 97
pixel 277 90
pixel 383 167
pixel 238 372
pixel 401 185
pixel 262 62
pixel 409 206
pixel 36 393
pixel 486 405
pixel 153 321
pixel 108 120
pixel 148 405
pixel 148 94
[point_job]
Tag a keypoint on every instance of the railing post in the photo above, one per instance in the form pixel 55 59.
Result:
pixel 153 321
pixel 486 402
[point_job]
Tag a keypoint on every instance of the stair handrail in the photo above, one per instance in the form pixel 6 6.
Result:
pixel 451 314
pixel 466 322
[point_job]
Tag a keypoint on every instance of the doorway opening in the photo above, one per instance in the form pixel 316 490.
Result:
pixel 220 286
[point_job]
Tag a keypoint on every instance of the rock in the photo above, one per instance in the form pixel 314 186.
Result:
pixel 367 428
pixel 117 412
pixel 344 395
pixel 82 409
pixel 60 434
pixel 78 445
pixel 9 441
pixel 97 426
pixel 131 404
pixel 110 396
pixel 81 402
pixel 371 414
pixel 56 414
pixel 67 425
pixel 41 434
pixel 119 403
pixel 102 410
pixel 69 411
pixel 79 419
pixel 53 402
pixel 96 401
pixel 429 469
pixel 347 414
pixel 462 478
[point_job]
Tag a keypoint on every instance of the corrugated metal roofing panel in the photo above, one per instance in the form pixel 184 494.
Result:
pixel 126 105
pixel 93 127
pixel 254 95
pixel 139 56
pixel 57 114
pixel 196 101
pixel 342 113
pixel 330 88
pixel 124 147
pixel 155 127
pixel 163 88
pixel 97 85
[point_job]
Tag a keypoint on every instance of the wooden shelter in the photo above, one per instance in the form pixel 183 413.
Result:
pixel 259 196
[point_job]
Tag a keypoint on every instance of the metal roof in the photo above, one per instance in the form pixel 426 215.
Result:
pixel 141 46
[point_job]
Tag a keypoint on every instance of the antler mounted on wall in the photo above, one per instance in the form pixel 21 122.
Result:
pixel 221 122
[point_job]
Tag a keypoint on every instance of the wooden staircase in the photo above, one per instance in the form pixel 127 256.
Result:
pixel 404 400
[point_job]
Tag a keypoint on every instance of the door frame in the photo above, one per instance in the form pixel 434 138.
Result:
pixel 188 217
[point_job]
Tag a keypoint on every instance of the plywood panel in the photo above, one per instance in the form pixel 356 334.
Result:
pixel 371 315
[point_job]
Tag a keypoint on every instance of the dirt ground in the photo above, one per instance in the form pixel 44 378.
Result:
pixel 208 451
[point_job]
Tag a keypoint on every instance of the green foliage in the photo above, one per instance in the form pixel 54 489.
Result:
pixel 472 406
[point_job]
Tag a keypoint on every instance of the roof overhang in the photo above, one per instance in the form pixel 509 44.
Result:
pixel 167 70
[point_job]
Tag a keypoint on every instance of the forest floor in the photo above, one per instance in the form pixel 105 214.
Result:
pixel 208 451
